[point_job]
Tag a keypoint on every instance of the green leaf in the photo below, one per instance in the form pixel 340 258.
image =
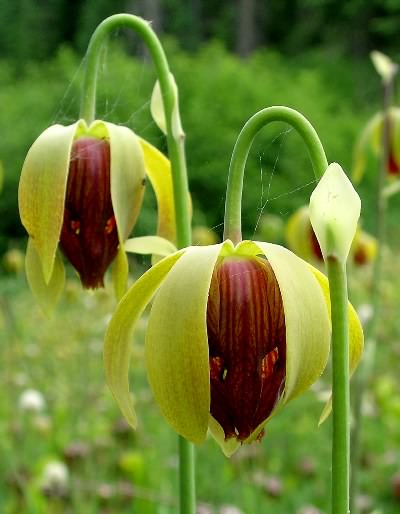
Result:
pixel 117 344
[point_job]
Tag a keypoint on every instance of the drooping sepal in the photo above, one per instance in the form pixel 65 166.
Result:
pixel 158 112
pixel 42 191
pixel 117 344
pixel 158 169
pixel 176 347
pixel 47 294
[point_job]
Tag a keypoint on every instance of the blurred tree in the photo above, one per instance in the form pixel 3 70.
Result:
pixel 246 36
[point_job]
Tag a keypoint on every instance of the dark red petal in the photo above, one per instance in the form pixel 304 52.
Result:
pixel 247 344
pixel 315 248
pixel 392 165
pixel 89 237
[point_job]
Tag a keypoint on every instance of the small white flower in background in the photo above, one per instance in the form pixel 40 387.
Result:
pixel 32 401
pixel 230 509
pixel 365 313
pixel 55 475
pixel 309 509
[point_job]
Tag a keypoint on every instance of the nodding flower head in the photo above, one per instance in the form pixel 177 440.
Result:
pixel 234 333
pixel 301 239
pixel 371 139
pixel 81 189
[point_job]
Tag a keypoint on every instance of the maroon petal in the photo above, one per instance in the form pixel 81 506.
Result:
pixel 89 237
pixel 247 344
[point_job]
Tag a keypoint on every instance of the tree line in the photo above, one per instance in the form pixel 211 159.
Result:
pixel 35 29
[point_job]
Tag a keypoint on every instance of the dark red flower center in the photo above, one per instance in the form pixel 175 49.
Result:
pixel 89 237
pixel 393 166
pixel 247 344
pixel 315 248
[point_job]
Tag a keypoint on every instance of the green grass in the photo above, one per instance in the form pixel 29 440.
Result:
pixel 125 472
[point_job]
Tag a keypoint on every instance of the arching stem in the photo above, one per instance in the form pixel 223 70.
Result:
pixel 176 153
pixel 233 204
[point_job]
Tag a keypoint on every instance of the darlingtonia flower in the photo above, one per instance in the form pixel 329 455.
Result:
pixel 80 191
pixel 301 239
pixel 370 140
pixel 234 333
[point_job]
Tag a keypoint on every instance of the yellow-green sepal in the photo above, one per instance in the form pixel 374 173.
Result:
pixel 158 112
pixel 42 189
pixel 158 169
pixel 228 446
pixel 298 232
pixel 356 335
pixel 127 175
pixel 120 272
pixel 370 138
pixel 306 318
pixel 384 66
pixel 334 212
pixel 117 344
pixel 176 347
pixel 146 245
pixel 47 293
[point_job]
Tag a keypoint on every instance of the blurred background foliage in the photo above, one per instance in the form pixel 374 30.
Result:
pixel 230 59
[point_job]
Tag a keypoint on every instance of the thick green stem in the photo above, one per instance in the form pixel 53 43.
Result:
pixel 340 386
pixel 371 328
pixel 187 485
pixel 233 204
pixel 176 153
pixel 176 141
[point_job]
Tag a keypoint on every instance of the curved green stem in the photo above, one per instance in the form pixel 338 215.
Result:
pixel 176 147
pixel 176 153
pixel 233 204
pixel 340 386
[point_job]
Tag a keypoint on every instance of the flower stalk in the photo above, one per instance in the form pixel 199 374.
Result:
pixel 340 386
pixel 176 153
pixel 382 195
pixel 233 204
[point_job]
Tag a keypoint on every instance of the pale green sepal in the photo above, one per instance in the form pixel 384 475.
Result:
pixel 228 446
pixel 42 189
pixel 117 344
pixel 158 169
pixel 158 113
pixel 176 347
pixel 127 170
pixel 334 212
pixel 150 245
pixel 307 323
pixel 298 234
pixel 46 294
pixel 120 271
pixel 384 66
pixel 356 335
pixel 371 136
